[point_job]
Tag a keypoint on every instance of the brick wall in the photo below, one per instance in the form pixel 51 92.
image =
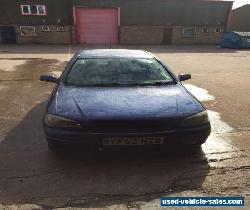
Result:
pixel 127 35
pixel 154 35
pixel 200 37
pixel 141 34
pixel 44 37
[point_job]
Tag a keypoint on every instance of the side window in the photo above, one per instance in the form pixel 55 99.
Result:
pixel 189 32
pixel 28 31
pixel 60 29
pixel 217 30
pixel 45 28
pixel 205 30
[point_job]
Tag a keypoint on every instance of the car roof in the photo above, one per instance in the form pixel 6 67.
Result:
pixel 113 53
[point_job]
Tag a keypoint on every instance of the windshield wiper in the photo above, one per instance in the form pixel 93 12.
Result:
pixel 155 83
pixel 110 85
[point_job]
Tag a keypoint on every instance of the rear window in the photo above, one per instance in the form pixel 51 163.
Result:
pixel 123 71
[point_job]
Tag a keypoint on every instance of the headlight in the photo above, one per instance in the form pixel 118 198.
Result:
pixel 60 122
pixel 197 119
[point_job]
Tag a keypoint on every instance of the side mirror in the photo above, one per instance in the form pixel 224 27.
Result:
pixel 49 78
pixel 183 77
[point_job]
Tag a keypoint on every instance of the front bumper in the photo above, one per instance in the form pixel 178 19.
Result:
pixel 195 135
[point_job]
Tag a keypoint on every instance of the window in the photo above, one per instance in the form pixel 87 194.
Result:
pixel 41 9
pixel 189 32
pixel 60 29
pixel 45 28
pixel 205 30
pixel 217 30
pixel 33 10
pixel 28 31
pixel 117 71
pixel 25 9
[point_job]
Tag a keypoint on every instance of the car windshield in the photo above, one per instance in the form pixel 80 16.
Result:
pixel 118 71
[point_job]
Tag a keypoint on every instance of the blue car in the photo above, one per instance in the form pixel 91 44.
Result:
pixel 107 98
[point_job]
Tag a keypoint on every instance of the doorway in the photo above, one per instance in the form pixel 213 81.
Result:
pixel 97 25
pixel 167 35
pixel 7 34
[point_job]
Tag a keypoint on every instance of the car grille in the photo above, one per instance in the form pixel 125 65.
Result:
pixel 130 126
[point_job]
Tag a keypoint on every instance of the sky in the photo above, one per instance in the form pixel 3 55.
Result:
pixel 239 3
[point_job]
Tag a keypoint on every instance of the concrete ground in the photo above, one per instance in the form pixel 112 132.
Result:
pixel 31 177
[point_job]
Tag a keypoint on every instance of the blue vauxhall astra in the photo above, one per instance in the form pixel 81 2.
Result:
pixel 122 98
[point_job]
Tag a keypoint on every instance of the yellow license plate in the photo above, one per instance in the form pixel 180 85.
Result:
pixel 133 141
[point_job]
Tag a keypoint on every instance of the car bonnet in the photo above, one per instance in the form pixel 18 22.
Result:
pixel 83 103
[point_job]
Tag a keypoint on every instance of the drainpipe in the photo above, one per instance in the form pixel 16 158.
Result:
pixel 229 16
pixel 70 14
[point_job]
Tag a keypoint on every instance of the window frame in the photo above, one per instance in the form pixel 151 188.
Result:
pixel 34 29
pixel 205 31
pixel 185 36
pixel 220 30
pixel 60 29
pixel 22 10
pixel 44 30
pixel 29 8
